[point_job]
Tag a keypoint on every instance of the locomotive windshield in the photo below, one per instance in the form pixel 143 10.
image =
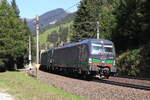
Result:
pixel 98 49
pixel 108 48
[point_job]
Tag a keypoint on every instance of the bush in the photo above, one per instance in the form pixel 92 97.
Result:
pixel 145 61
pixel 135 63
pixel 128 63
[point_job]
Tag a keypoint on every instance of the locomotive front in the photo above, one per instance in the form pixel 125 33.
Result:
pixel 102 57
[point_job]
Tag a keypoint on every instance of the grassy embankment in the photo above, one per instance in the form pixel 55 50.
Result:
pixel 23 87
pixel 43 36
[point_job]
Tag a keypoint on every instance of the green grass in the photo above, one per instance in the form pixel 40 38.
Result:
pixel 44 35
pixel 23 87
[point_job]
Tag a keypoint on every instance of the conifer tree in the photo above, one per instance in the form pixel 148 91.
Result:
pixel 83 26
pixel 14 5
pixel 13 36
pixel 91 11
pixel 133 24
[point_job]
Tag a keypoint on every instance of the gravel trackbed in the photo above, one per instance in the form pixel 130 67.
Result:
pixel 97 89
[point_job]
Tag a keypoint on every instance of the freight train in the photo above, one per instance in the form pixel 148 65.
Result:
pixel 89 57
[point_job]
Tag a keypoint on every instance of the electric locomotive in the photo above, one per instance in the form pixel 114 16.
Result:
pixel 89 57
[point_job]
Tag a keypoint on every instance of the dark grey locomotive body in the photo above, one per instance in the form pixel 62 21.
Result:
pixel 83 58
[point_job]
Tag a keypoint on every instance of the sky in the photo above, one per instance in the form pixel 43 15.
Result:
pixel 32 8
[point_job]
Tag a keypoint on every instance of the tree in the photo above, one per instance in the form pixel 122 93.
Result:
pixel 63 32
pixel 87 16
pixel 13 36
pixel 53 37
pixel 82 27
pixel 14 5
pixel 131 37
pixel 132 24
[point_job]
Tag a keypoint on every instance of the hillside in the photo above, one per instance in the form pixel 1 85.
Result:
pixel 61 28
pixel 64 20
pixel 43 37
pixel 49 18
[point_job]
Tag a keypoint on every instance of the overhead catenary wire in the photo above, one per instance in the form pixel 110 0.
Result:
pixel 73 6
pixel 65 10
pixel 59 14
pixel 95 23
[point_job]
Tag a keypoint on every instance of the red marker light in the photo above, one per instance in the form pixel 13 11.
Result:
pixel 109 65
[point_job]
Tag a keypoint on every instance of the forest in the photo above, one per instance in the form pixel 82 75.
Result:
pixel 125 22
pixel 14 35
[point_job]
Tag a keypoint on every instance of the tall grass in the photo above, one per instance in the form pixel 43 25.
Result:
pixel 23 87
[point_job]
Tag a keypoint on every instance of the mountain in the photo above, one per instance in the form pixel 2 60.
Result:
pixel 48 19
pixel 69 18
pixel 65 23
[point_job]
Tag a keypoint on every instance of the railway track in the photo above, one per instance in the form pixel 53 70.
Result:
pixel 115 88
pixel 126 82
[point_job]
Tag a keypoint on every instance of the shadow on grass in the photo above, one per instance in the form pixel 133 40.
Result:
pixel 66 74
pixel 2 69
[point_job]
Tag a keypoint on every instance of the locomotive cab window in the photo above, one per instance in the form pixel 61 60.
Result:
pixel 108 48
pixel 96 48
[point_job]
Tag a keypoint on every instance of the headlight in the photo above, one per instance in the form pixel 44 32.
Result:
pixel 114 63
pixel 90 60
pixel 103 61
